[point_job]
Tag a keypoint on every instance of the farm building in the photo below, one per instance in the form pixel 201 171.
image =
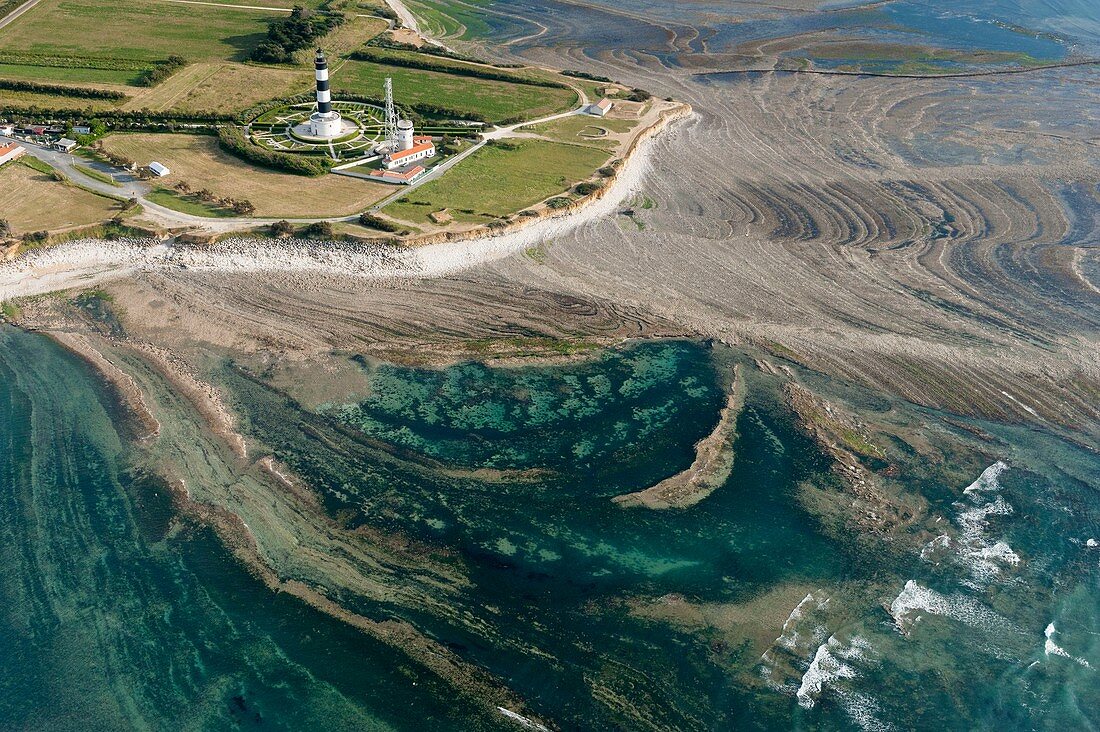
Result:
pixel 601 107
pixel 159 169
pixel 10 152
pixel 65 145
pixel 404 177
pixel 82 130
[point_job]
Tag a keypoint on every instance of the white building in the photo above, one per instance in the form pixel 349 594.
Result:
pixel 10 152
pixel 159 169
pixel 404 177
pixel 409 147
pixel 65 145
pixel 600 108
pixel 7 129
pixel 325 122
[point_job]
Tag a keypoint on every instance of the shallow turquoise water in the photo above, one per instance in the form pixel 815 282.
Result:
pixel 119 618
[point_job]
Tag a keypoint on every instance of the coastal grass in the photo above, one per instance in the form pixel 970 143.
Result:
pixel 581 130
pixel 52 101
pixel 96 175
pixel 488 98
pixel 188 204
pixel 498 180
pixel 145 31
pixel 32 201
pixel 197 160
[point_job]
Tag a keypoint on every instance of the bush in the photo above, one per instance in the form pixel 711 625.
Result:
pixel 559 202
pixel 585 75
pixel 293 33
pixel 587 189
pixel 233 141
pixel 160 72
pixel 377 222
pixel 282 228
pixel 320 230
pixel 607 171
pixel 639 95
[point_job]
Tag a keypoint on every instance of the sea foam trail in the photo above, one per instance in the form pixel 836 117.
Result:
pixel 1050 648
pixel 983 557
pixel 835 661
pixel 88 262
pixel 915 599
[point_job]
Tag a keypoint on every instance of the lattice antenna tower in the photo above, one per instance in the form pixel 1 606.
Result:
pixel 391 116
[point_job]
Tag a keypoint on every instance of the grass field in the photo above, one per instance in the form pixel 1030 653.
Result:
pixel 220 86
pixel 498 181
pixel 570 129
pixel 31 201
pixel 186 204
pixel 496 100
pixel 52 101
pixel 198 161
pixel 138 30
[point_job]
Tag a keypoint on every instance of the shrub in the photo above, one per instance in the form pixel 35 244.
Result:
pixel 559 202
pixel 319 229
pixel 587 189
pixel 160 72
pixel 607 171
pixel 293 33
pixel 421 61
pixel 80 92
pixel 233 141
pixel 377 222
pixel 282 228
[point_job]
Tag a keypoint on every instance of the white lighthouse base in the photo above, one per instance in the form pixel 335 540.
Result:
pixel 326 126
pixel 322 128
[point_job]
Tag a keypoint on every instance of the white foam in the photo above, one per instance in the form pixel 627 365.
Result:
pixel 1050 648
pixel 988 480
pixel 914 599
pixel 830 662
pixel 522 720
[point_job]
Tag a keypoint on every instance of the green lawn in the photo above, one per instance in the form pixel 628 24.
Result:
pixel 187 204
pixel 137 30
pixel 498 181
pixel 496 100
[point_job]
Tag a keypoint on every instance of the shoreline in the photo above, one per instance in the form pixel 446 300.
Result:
pixel 88 262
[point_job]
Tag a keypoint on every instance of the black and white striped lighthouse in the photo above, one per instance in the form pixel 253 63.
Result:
pixel 324 99
pixel 324 123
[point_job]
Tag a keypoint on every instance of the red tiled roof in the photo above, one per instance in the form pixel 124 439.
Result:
pixel 417 148
pixel 5 149
pixel 398 174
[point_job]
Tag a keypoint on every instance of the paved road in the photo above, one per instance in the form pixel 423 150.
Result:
pixel 13 15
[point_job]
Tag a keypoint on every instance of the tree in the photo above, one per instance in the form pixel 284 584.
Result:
pixel 243 208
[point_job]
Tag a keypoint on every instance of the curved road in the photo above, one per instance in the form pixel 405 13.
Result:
pixel 131 187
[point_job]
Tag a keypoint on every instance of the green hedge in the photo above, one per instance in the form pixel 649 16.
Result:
pixel 233 141
pixel 79 92
pixel 160 72
pixel 439 64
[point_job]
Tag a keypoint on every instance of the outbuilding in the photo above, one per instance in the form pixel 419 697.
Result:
pixel 7 129
pixel 65 145
pixel 10 152
pixel 601 107
pixel 158 169
pixel 82 130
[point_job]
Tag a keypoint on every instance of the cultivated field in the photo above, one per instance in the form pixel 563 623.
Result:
pixel 496 181
pixel 32 201
pixel 221 86
pixel 198 161
pixel 78 33
pixel 496 100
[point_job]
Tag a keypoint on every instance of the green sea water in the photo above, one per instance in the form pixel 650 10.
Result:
pixel 117 614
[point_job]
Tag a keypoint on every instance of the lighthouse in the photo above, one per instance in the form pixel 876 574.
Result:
pixel 324 123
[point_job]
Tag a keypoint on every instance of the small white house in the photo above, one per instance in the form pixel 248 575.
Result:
pixel 10 152
pixel 65 145
pixel 82 130
pixel 159 169
pixel 7 129
pixel 600 108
